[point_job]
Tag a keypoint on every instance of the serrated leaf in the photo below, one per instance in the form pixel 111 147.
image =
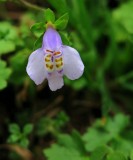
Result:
pixel 57 152
pixel 4 74
pixel 116 156
pixel 49 15
pixel 14 128
pixel 100 153
pixel 67 141
pixel 92 140
pixel 61 23
pixel 27 129
pixel 117 124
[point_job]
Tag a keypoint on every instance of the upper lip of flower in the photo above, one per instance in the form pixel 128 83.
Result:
pixel 54 60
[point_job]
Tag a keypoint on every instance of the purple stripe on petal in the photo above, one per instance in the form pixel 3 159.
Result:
pixel 51 40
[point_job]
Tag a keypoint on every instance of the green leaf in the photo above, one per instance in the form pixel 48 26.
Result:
pixel 79 142
pixel 6 46
pixel 38 42
pixel 100 153
pixel 116 156
pixel 57 152
pixel 38 29
pixel 123 15
pixel 72 142
pixel 14 128
pixel 7 31
pixel 66 141
pixel 13 138
pixel 4 74
pixel 92 139
pixel 64 38
pixel 24 142
pixel 117 124
pixel 18 63
pixel 61 23
pixel 122 144
pixel 49 15
pixel 8 36
pixel 27 129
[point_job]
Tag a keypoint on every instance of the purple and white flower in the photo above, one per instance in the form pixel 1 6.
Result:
pixel 53 60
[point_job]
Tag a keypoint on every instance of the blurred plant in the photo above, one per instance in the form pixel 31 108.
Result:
pixel 102 32
pixel 106 140
pixel 47 125
pixel 4 74
pixel 19 137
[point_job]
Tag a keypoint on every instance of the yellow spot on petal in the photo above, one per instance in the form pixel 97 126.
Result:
pixel 58 59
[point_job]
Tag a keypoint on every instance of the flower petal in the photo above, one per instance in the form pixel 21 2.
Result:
pixel 35 67
pixel 55 81
pixel 51 40
pixel 73 65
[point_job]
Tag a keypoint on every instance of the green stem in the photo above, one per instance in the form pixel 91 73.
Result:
pixel 32 6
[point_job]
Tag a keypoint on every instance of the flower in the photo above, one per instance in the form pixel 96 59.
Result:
pixel 53 60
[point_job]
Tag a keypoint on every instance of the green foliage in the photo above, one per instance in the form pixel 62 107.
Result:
pixel 14 128
pixel 59 152
pixel 18 63
pixel 19 137
pixel 65 38
pixel 116 156
pixel 51 125
pixel 68 147
pixel 38 29
pixel 124 16
pixel 109 132
pixel 102 32
pixel 49 15
pixel 4 74
pixel 100 153
pixel 61 23
pixel 38 42
pixel 131 155
pixel 60 6
pixel 28 129
pixel 103 140
pixel 8 35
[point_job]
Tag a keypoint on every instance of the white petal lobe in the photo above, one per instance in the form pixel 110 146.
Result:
pixel 35 67
pixel 73 65
pixel 55 81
